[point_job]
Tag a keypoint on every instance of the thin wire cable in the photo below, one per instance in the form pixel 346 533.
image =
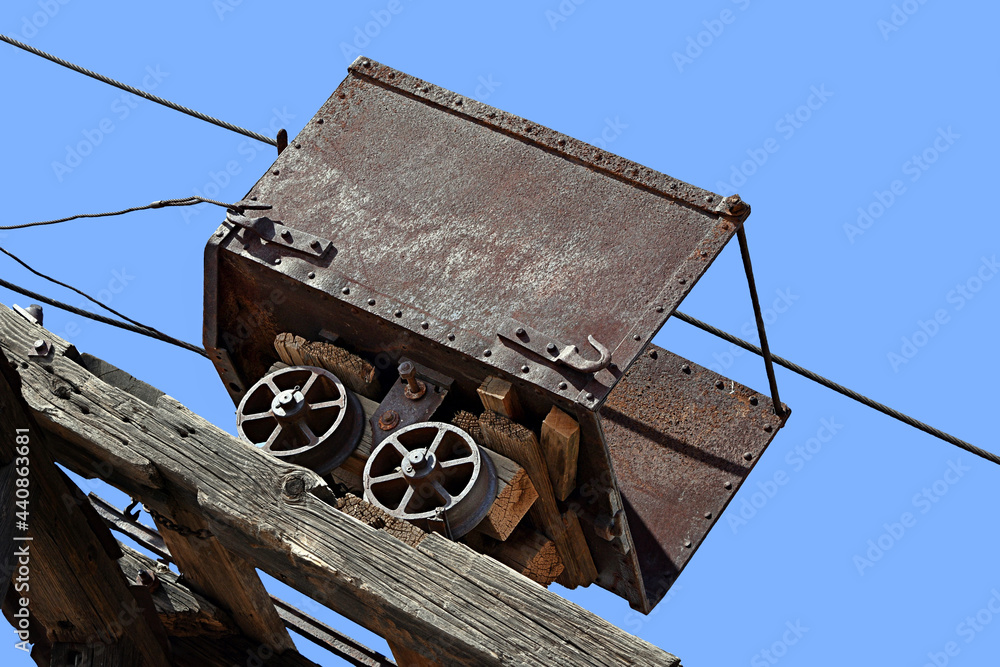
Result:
pixel 138 91
pixel 186 201
pixel 840 389
pixel 145 331
pixel 761 333
pixel 71 288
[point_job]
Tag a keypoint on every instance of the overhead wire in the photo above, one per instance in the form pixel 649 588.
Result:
pixel 841 389
pixel 142 330
pixel 138 91
pixel 184 201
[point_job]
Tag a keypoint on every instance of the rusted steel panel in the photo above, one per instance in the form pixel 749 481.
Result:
pixel 682 439
pixel 476 221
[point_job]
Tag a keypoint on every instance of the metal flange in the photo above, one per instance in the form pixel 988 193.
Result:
pixel 434 475
pixel 303 415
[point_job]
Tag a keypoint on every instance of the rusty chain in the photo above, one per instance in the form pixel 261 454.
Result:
pixel 167 523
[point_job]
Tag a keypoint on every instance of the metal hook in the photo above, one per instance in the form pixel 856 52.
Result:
pixel 570 356
pixel 128 511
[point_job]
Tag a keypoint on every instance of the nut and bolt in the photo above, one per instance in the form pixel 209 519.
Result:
pixel 148 579
pixel 415 389
pixel 388 420
pixel 552 348
pixel 40 348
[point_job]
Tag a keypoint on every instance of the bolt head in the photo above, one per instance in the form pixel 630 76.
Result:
pixel 525 369
pixel 346 290
pixel 388 420
pixel 748 456
pixel 39 345
pixel 552 348
pixel 520 331
pixel 563 385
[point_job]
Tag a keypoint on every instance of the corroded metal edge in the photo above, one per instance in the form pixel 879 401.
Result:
pixel 544 137
pixel 682 440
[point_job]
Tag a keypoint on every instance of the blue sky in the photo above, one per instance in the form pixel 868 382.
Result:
pixel 861 133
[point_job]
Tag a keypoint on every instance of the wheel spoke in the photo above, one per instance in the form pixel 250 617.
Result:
pixel 458 462
pixel 273 438
pixel 339 403
pixel 309 383
pixel 403 451
pixel 406 499
pixel 437 441
pixel 256 415
pixel 308 432
pixel 391 477
pixel 273 387
pixel 445 496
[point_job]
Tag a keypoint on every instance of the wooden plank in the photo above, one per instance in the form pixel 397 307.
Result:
pixel 500 397
pixel 182 612
pixel 357 374
pixel 77 594
pixel 560 437
pixel 469 423
pixel 521 445
pixel 8 561
pixel 515 492
pixel 408 658
pixel 532 554
pixel 225 578
pixel 234 651
pixel 476 609
pixel 66 654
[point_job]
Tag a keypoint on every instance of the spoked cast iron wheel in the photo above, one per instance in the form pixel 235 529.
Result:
pixel 302 415
pixel 433 475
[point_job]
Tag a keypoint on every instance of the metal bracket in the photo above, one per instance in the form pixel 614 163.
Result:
pixel 399 409
pixel 548 348
pixel 273 231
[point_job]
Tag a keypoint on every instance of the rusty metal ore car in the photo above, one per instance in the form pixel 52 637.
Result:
pixel 441 294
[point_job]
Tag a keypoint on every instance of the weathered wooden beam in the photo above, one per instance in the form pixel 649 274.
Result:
pixel 560 438
pixel 281 517
pixel 78 593
pixel 223 577
pixel 8 561
pixel 408 658
pixel 532 554
pixel 520 444
pixel 183 612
